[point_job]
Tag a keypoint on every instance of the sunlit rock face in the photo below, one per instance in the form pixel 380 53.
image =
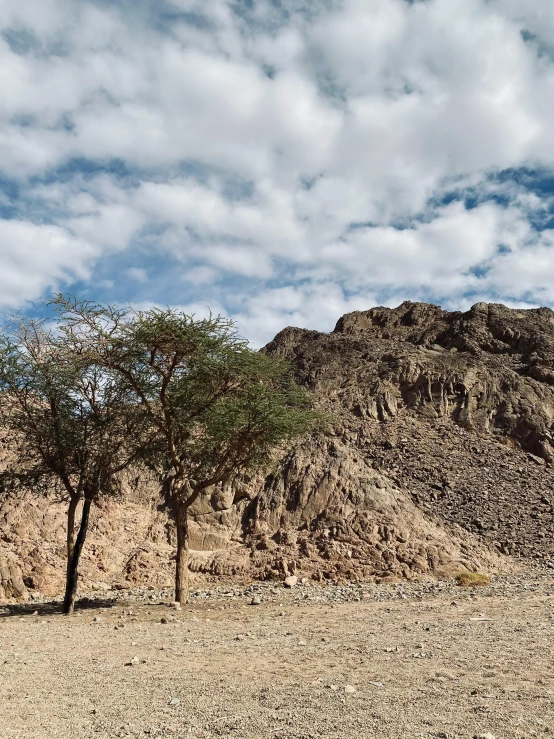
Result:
pixel 437 457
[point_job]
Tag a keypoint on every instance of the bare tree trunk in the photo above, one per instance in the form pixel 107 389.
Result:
pixel 182 560
pixel 71 511
pixel 73 565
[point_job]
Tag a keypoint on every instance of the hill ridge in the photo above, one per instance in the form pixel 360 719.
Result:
pixel 439 458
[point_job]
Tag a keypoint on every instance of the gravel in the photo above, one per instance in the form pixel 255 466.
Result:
pixel 342 661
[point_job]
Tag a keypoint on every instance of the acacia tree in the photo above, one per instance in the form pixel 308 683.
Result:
pixel 76 426
pixel 216 406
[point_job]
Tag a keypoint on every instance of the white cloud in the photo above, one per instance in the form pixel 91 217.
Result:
pixel 315 306
pixel 138 274
pixel 37 257
pixel 200 275
pixel 434 255
pixel 254 143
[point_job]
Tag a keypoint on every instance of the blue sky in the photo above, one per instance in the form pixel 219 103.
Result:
pixel 280 161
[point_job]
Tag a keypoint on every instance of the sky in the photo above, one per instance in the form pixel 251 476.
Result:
pixel 282 162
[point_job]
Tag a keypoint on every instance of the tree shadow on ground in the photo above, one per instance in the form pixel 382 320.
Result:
pixel 52 608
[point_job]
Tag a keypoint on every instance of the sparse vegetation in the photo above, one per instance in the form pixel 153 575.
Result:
pixel 77 427
pixel 216 408
pixel 472 579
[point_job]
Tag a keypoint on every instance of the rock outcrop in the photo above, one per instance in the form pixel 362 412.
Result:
pixel 11 578
pixel 456 409
pixel 438 457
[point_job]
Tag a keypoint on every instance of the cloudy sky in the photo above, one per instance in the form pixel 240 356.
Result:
pixel 281 161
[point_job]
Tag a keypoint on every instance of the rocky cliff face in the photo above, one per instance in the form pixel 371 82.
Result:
pixel 454 408
pixel 439 457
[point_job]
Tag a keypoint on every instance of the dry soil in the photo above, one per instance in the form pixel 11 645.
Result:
pixel 390 661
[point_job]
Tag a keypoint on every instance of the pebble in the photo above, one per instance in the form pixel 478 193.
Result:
pixel 349 689
pixel 333 594
pixel 174 702
pixel 256 601
pixel 291 581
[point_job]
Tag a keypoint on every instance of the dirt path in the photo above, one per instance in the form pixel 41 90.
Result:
pixel 394 669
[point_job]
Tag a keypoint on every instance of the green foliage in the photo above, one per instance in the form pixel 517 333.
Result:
pixel 75 426
pixel 217 406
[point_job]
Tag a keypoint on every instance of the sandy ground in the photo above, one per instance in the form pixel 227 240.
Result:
pixel 420 666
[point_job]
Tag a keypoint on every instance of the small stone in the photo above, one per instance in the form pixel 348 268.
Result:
pixel 256 601
pixel 96 620
pixel 290 581
pixel 302 643
pixel 488 735
pixel 163 620
pixel 174 702
pixel 376 684
pixel 177 606
pixel 349 689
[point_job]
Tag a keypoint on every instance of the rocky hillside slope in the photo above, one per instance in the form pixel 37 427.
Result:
pixel 456 409
pixel 439 457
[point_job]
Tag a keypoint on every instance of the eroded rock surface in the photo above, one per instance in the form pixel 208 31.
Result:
pixel 456 409
pixel 439 457
pixel 11 578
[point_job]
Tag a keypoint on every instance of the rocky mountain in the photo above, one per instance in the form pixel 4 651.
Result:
pixel 439 457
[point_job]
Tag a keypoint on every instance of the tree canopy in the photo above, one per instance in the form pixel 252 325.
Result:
pixel 217 408
pixel 77 427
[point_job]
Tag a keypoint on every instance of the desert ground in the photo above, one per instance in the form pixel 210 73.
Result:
pixel 395 661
